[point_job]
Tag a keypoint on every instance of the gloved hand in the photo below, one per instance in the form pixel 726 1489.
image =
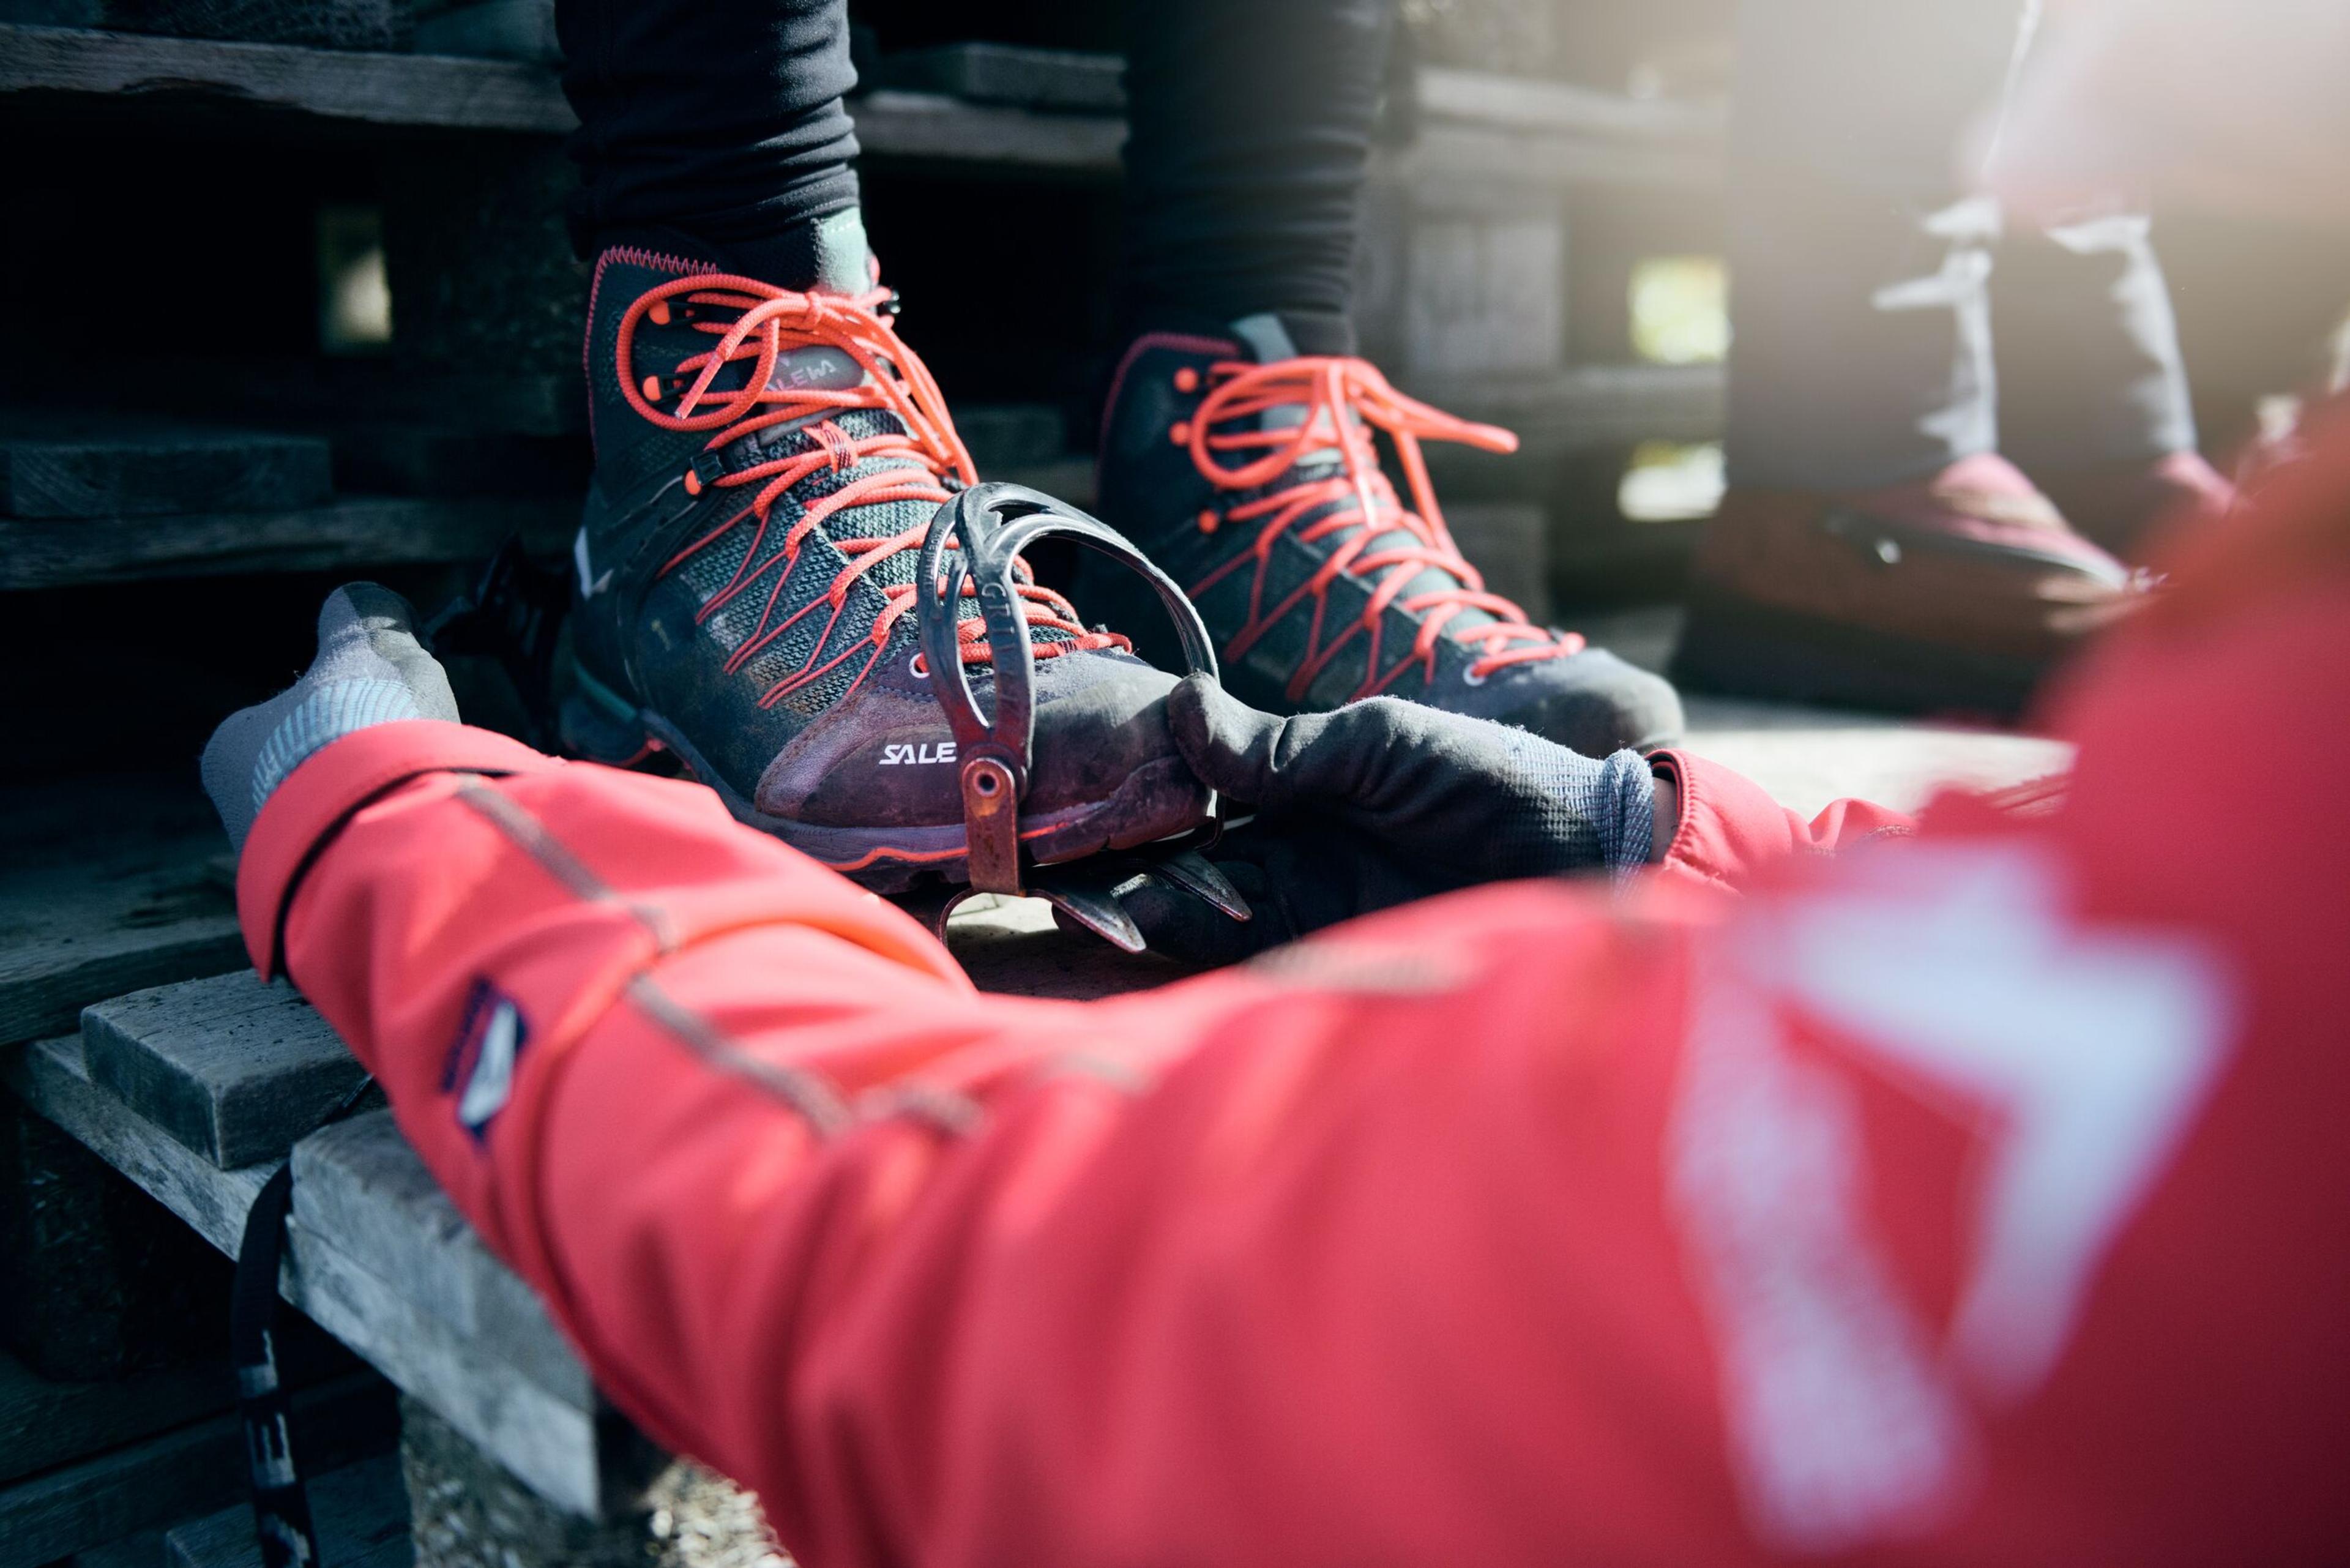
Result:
pixel 370 670
pixel 1378 804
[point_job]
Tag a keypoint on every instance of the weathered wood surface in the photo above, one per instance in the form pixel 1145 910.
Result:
pixel 1478 128
pixel 385 458
pixel 1531 104
pixel 235 1069
pixel 493 29
pixel 322 24
pixel 102 1282
pixel 141 1549
pixel 1065 81
pixel 360 1184
pixel 380 1260
pixel 356 531
pixel 47 1422
pixel 479 256
pixel 196 1468
pixel 104 888
pixel 370 88
pixel 1584 407
pixel 1509 544
pixel 55 465
pixel 359 1512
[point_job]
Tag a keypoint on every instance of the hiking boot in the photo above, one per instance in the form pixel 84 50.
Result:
pixel 1955 594
pixel 766 464
pixel 2130 508
pixel 1249 472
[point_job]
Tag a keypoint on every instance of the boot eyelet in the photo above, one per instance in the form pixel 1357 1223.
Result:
pixel 1187 379
pixel 1469 677
pixel 918 667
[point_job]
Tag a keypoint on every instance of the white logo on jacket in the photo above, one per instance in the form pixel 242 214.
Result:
pixel 1957 977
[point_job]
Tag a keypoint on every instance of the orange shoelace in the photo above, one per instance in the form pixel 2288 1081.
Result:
pixel 1342 401
pixel 757 323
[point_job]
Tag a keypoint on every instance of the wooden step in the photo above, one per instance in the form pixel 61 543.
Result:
pixel 380 1258
pixel 195 1469
pixel 46 1421
pixel 352 532
pixel 89 465
pixel 1492 128
pixel 358 1514
pixel 235 1070
pixel 106 885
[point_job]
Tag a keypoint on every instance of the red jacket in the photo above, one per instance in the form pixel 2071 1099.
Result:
pixel 1979 1197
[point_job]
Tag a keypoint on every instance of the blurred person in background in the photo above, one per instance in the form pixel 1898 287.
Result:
pixel 1949 432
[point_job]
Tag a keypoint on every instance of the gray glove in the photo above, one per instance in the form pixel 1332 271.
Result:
pixel 1378 804
pixel 370 670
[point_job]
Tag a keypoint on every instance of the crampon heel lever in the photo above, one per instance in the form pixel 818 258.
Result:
pixel 990 525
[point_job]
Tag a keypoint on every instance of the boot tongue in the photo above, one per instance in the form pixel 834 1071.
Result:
pixel 1272 336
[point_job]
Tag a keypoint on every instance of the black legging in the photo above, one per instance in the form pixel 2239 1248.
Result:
pixel 1251 123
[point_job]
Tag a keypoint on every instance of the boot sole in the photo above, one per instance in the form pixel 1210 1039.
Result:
pixel 1739 649
pixel 1158 800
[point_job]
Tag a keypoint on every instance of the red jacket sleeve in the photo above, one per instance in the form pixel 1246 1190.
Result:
pixel 1978 1200
pixel 1730 831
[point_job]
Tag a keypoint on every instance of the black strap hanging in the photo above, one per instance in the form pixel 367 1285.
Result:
pixel 281 1509
pixel 281 1506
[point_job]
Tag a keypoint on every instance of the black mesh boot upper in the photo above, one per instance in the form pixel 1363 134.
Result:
pixel 1251 474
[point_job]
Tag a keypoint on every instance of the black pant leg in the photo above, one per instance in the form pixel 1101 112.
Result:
pixel 719 119
pixel 1251 123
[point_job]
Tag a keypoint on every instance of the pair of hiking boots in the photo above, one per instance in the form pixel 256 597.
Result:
pixel 768 463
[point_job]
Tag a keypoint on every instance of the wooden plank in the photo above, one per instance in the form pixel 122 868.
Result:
pixel 46 1421
pixel 106 888
pixel 1005 435
pixel 1480 127
pixel 67 465
pixel 1063 80
pixel 424 91
pixel 360 1513
pixel 1587 406
pixel 141 1549
pixel 1505 157
pixel 197 1468
pixel 493 29
pixel 500 1376
pixel 235 1070
pixel 324 24
pixel 358 531
pixel 1509 544
pixel 1529 103
pixel 360 1184
pixel 933 127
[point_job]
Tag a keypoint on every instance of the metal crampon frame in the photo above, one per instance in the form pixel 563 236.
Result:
pixel 991 524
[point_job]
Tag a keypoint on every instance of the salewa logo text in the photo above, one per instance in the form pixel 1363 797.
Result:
pixel 944 752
